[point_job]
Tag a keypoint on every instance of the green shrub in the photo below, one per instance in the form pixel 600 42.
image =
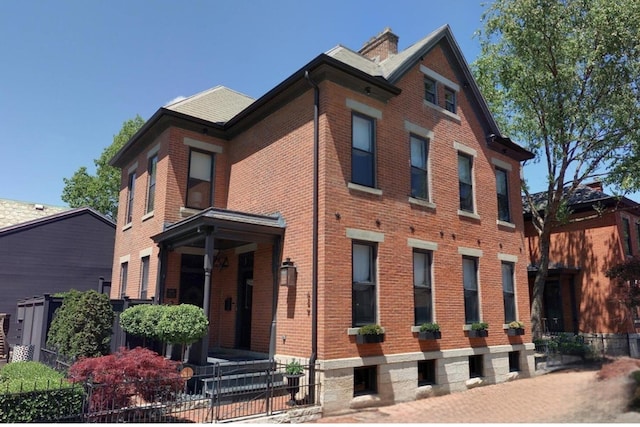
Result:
pixel 82 326
pixel 182 324
pixel 636 377
pixel 142 320
pixel 32 392
pixel 294 368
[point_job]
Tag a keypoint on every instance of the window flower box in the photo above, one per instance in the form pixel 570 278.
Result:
pixel 370 334
pixel 515 328
pixel 479 330
pixel 429 331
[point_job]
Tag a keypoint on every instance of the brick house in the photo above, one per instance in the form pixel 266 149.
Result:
pixel 381 178
pixel 578 297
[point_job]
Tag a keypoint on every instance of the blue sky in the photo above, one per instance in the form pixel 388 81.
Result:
pixel 74 70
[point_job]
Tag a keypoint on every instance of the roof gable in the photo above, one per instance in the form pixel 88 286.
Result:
pixel 61 216
pixel 15 212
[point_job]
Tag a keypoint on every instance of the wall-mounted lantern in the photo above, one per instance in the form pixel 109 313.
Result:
pixel 288 273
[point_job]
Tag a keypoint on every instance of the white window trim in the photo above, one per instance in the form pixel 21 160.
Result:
pixel 126 258
pixel 364 235
pixel 442 110
pixel 251 247
pixel 508 258
pixel 513 259
pixel 200 145
pixel 146 252
pixel 420 131
pixel 440 78
pixel 461 148
pixel 132 168
pixel 354 105
pixel 422 244
pixel 472 252
pixel 364 189
pixel 153 151
pixel 501 164
pixel 147 216
pixel 505 224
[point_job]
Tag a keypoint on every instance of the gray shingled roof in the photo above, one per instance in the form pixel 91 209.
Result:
pixel 15 212
pixel 218 104
pixel 583 194
pixel 389 66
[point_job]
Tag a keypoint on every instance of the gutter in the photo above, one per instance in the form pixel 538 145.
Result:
pixel 314 262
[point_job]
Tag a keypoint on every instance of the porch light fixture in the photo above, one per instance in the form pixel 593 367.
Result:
pixel 288 273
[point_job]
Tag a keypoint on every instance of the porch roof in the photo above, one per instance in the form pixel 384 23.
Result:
pixel 229 228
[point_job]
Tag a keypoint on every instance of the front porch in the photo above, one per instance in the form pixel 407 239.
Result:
pixel 227 263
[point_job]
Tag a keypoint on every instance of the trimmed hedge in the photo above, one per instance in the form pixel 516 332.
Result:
pixel 33 392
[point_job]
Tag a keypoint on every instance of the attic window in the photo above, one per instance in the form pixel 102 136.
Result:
pixel 430 94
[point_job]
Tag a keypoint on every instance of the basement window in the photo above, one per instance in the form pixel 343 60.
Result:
pixel 475 366
pixel 426 372
pixel 365 380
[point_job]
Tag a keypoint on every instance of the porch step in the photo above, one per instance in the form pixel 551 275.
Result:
pixel 243 382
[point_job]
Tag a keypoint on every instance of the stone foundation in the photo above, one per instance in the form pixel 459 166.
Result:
pixel 397 375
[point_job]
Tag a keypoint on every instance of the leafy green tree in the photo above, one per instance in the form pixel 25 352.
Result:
pixel 82 325
pixel 561 77
pixel 627 276
pixel 100 191
pixel 182 324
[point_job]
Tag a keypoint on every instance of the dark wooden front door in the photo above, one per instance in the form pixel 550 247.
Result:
pixel 192 280
pixel 245 301
pixel 553 306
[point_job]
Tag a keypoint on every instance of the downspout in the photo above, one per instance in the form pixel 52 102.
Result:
pixel 314 262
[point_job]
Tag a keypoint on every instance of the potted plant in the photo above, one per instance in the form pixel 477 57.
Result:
pixel 429 331
pixel 368 334
pixel 515 328
pixel 479 330
pixel 293 371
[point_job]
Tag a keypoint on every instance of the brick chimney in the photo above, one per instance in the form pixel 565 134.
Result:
pixel 381 46
pixel 596 185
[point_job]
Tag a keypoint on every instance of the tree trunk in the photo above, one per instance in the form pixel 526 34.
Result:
pixel 539 282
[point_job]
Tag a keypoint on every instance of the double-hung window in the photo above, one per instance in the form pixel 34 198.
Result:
pixel 422 295
pixel 465 180
pixel 419 172
pixel 364 284
pixel 151 182
pixel 626 236
pixel 503 195
pixel 144 277
pixel 470 282
pixel 430 94
pixel 508 292
pixel 450 100
pixel 124 272
pixel 199 185
pixel 363 150
pixel 130 194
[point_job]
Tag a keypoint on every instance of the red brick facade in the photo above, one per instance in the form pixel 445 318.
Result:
pixel 267 168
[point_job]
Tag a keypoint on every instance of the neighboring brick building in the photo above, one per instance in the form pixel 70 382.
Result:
pixel 418 210
pixel 603 230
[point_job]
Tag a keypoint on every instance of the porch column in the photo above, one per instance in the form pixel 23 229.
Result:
pixel 276 256
pixel 208 264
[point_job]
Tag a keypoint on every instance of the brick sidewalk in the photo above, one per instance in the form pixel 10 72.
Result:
pixel 559 397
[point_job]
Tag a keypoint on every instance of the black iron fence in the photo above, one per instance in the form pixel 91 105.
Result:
pixel 218 392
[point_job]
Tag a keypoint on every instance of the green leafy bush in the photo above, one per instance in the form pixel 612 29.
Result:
pixel 82 326
pixel 182 324
pixel 516 324
pixel 33 392
pixel 118 377
pixel 142 320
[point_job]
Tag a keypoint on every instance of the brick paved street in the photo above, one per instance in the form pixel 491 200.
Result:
pixel 559 397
